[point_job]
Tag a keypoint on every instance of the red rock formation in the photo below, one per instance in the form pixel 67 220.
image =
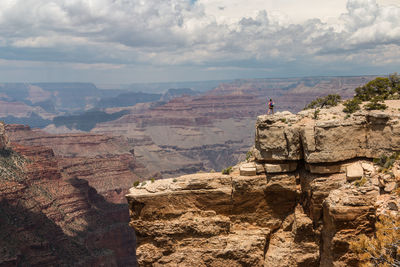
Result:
pixel 107 163
pixel 50 219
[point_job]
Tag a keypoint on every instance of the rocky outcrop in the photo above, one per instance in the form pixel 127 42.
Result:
pixel 305 193
pixel 326 143
pixel 209 219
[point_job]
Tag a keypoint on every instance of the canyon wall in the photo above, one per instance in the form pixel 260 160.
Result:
pixel 308 189
pixel 108 163
pixel 55 214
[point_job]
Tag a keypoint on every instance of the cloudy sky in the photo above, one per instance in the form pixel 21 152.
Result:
pixel 125 41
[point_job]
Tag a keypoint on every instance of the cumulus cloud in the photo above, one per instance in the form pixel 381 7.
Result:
pixel 214 34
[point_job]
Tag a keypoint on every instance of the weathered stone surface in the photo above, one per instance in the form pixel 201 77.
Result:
pixel 348 211
pixel 390 187
pixel 354 171
pixel 305 217
pixel 368 167
pixel 294 246
pixel 248 169
pixel 324 168
pixel 280 167
pixel 363 135
pixel 222 219
pixel 276 141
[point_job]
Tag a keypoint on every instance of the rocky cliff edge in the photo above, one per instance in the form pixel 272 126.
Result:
pixel 308 188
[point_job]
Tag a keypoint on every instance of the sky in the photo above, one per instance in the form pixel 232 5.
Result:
pixel 128 41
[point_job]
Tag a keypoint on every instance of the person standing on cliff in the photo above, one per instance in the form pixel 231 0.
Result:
pixel 270 106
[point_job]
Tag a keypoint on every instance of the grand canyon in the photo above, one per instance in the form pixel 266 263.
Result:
pixel 199 133
pixel 292 192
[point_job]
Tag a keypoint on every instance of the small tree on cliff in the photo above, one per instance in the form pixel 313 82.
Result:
pixel 326 101
pixel 382 249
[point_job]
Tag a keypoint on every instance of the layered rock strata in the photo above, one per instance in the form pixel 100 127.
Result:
pixel 108 163
pixel 327 143
pixel 307 191
pixel 48 219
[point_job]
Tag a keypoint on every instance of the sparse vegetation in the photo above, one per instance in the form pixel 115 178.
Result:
pixel 351 105
pixel 143 183
pixel 227 170
pixel 386 162
pixel 326 101
pixel 11 164
pixel 375 91
pixel 136 183
pixel 152 180
pixel 283 120
pixel 375 105
pixel 381 87
pixel 381 249
pixel 316 113
pixel 361 182
pixel 249 154
pixel 174 180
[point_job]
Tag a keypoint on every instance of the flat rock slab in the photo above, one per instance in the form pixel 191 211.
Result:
pixel 354 171
pixel 324 169
pixel 278 167
pixel 248 169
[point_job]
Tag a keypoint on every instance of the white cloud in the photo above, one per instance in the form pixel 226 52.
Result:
pixel 219 34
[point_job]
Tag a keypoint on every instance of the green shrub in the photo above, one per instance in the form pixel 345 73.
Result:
pixel 381 248
pixel 375 105
pixel 283 120
pixel 249 154
pixel 386 162
pixel 143 183
pixel 174 180
pixel 361 182
pixel 316 113
pixel 152 180
pixel 386 88
pixel 136 183
pixel 376 87
pixel 351 105
pixel 227 170
pixel 326 101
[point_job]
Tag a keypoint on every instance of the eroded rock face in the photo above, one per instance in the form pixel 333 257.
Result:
pixel 209 219
pixel 50 220
pixel 108 163
pixel 331 138
pixel 308 190
pixel 348 211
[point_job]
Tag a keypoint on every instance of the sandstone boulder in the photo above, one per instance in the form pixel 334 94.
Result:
pixel 280 167
pixel 324 169
pixel 354 171
pixel 363 135
pixel 248 169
